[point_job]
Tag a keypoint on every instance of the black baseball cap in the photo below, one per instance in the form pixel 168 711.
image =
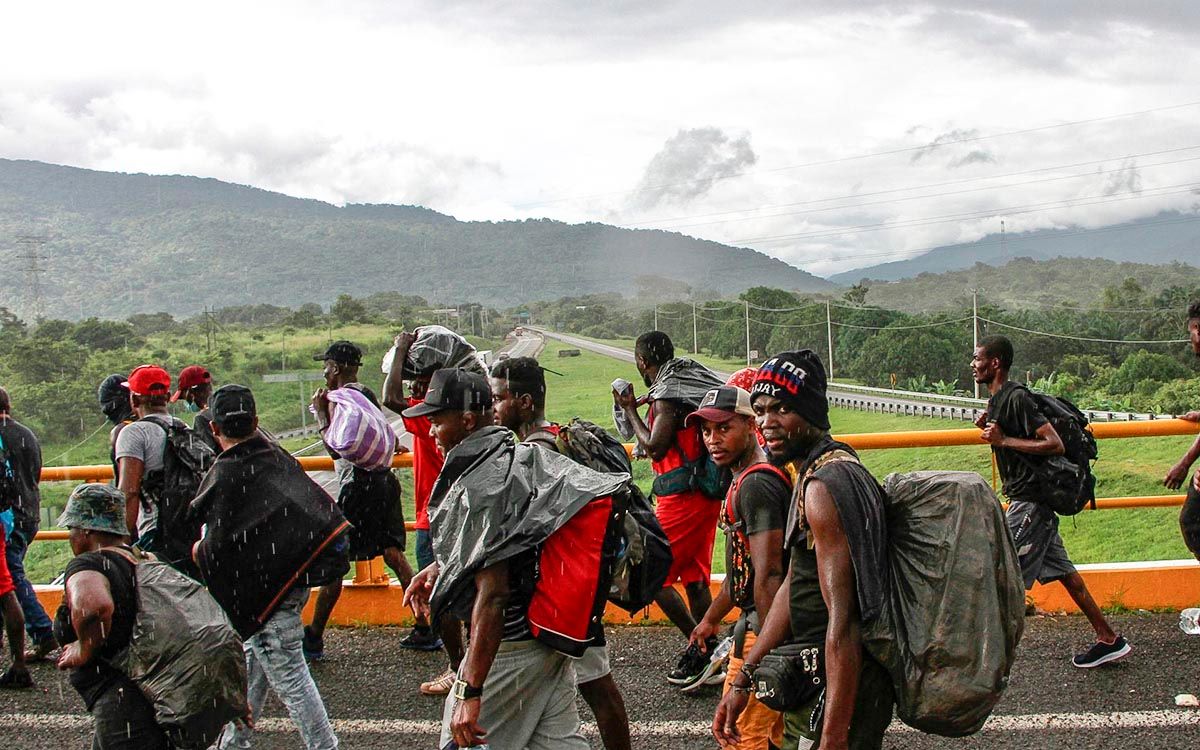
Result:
pixel 232 405
pixel 721 405
pixel 453 390
pixel 342 352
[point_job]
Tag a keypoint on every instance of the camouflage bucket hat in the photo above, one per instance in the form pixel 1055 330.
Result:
pixel 96 507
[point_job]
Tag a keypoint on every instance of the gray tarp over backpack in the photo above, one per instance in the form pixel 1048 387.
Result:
pixel 955 609
pixel 184 656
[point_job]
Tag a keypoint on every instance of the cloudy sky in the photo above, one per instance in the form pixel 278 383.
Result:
pixel 835 136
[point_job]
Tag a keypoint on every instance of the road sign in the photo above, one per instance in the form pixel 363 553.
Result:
pixel 294 377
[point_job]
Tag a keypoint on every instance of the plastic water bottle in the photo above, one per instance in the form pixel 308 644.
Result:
pixel 1189 621
pixel 722 650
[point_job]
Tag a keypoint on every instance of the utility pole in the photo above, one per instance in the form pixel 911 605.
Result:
pixel 31 253
pixel 695 336
pixel 656 317
pixel 975 328
pixel 829 334
pixel 747 332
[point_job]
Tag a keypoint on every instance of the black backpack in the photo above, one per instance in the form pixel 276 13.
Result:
pixel 10 491
pixel 643 558
pixel 171 489
pixel 1068 485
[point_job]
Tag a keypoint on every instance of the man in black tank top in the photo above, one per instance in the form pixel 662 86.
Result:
pixel 834 532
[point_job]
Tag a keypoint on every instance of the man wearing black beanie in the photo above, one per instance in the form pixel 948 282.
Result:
pixel 836 539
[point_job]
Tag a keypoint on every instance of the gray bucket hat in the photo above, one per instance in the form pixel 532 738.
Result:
pixel 96 507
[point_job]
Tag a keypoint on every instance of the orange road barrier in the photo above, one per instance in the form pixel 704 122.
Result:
pixel 374 599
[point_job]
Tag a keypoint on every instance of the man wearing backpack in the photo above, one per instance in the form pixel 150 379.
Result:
pixel 753 516
pixel 369 497
pixel 495 504
pixel 1022 438
pixel 519 401
pixel 96 620
pixel 271 534
pixel 141 452
pixel 194 388
pixel 427 464
pixel 22 465
pixel 688 515
pixel 836 539
pixel 1189 514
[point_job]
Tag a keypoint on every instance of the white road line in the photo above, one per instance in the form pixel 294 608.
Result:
pixel 1004 723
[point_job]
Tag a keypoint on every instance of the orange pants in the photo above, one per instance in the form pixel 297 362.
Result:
pixel 758 724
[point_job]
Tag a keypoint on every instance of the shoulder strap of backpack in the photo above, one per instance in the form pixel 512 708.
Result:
pixel 545 437
pixel 736 486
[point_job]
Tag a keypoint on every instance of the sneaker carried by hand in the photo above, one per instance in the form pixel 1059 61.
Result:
pixel 439 685
pixel 695 667
pixel 421 639
pixel 1103 653
pixel 313 645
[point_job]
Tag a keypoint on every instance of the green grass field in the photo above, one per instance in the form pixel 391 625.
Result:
pixel 1126 467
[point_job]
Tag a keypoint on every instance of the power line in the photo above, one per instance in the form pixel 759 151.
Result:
pixel 788 325
pixel 927 186
pixel 1080 338
pixel 946 194
pixel 903 328
pixel 1132 194
pixel 1042 238
pixel 857 157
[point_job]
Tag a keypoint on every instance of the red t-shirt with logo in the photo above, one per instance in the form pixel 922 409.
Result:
pixel 427 463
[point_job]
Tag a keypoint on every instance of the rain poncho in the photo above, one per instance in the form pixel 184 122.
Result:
pixel 269 528
pixel 496 498
pixel 684 381
pixel 436 348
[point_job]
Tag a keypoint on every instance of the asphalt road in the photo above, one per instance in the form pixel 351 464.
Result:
pixel 369 686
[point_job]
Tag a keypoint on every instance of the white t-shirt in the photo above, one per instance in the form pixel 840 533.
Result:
pixel 145 440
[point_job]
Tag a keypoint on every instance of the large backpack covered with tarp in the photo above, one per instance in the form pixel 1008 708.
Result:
pixel 955 607
pixel 183 655
pixel 171 489
pixel 643 557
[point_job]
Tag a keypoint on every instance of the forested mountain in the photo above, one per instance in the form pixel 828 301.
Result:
pixel 1025 282
pixel 1165 238
pixel 128 243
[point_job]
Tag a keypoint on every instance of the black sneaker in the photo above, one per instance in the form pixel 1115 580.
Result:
pixel 421 639
pixel 1103 653
pixel 694 666
pixel 313 645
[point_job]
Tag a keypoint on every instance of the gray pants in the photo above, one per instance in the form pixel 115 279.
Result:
pixel 528 701
pixel 274 659
pixel 1040 549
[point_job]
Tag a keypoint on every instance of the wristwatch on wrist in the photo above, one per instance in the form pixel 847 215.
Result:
pixel 748 669
pixel 464 691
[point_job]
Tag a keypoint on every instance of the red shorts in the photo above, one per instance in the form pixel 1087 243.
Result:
pixel 690 523
pixel 6 581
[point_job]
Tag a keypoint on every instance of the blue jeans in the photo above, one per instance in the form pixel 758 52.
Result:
pixel 424 549
pixel 37 624
pixel 274 659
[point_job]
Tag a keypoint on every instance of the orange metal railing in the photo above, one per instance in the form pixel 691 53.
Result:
pixel 860 441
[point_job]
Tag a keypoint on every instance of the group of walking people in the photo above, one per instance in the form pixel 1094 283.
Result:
pixel 802 517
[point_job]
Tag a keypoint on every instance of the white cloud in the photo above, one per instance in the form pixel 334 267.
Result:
pixel 514 110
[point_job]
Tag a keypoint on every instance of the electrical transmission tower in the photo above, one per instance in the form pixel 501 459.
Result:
pixel 33 265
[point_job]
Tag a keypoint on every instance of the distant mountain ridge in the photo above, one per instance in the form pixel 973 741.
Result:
pixel 126 243
pixel 1165 238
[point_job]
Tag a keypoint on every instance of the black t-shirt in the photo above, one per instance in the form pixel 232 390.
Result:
pixel 1017 414
pixel 762 504
pixel 25 457
pixel 94 678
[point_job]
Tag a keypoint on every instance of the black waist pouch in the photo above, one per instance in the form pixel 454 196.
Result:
pixel 790 676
